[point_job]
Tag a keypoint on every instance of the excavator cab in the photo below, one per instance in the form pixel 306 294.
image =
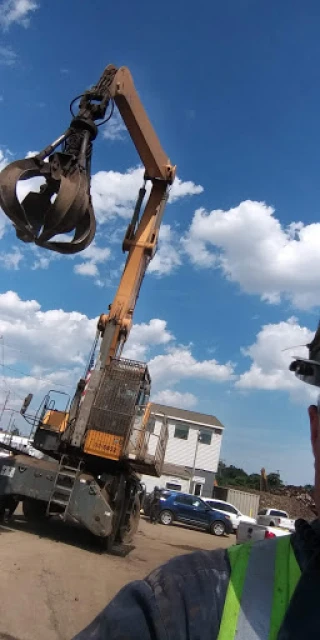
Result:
pixel 51 421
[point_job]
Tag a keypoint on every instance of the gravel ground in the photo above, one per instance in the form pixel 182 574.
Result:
pixel 55 580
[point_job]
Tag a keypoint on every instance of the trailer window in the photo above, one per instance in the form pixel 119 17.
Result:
pixel 173 487
pixel 182 432
pixel 205 437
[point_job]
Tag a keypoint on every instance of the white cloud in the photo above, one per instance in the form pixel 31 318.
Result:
pixel 8 56
pixel 145 336
pixel 86 269
pixel 179 364
pixel 271 354
pixel 5 158
pixel 41 261
pixel 45 338
pixel 11 261
pixel 115 193
pixel 251 248
pixel 181 189
pixel 175 399
pixel 92 256
pixel 48 349
pixel 167 257
pixel 16 11
pixel 115 128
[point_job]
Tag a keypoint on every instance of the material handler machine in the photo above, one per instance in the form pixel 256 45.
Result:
pixel 97 446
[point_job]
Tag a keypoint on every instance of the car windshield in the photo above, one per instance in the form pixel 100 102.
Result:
pixel 279 514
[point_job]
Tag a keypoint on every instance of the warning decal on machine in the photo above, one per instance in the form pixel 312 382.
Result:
pixel 7 471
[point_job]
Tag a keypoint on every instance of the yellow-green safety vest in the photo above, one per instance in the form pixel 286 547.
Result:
pixel 263 578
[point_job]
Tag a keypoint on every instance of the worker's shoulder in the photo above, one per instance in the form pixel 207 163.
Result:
pixel 190 592
pixel 192 569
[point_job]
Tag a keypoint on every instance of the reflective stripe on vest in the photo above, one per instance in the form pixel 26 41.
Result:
pixel 263 578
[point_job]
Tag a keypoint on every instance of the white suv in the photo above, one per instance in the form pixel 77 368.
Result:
pixel 235 515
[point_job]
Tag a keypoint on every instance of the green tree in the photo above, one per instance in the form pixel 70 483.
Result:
pixel 274 481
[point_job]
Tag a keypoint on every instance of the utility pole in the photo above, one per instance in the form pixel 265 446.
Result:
pixel 5 404
pixel 194 460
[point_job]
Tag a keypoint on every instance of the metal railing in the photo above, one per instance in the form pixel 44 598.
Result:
pixel 145 446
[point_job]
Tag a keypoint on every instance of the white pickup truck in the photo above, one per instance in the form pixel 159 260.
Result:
pixel 254 532
pixel 275 518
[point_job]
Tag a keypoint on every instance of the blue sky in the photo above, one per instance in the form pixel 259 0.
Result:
pixel 233 91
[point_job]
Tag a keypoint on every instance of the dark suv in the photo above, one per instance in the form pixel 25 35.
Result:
pixel 184 507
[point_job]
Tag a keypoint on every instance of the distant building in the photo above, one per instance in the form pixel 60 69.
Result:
pixel 194 438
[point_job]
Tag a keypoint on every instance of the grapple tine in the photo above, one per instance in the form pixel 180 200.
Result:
pixel 9 177
pixel 84 234
pixel 68 207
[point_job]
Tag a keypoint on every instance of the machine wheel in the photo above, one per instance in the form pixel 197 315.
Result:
pixel 127 534
pixel 272 524
pixel 8 505
pixel 34 510
pixel 218 528
pixel 166 517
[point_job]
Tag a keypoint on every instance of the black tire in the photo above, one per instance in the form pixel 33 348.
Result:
pixel 34 510
pixel 166 517
pixel 272 524
pixel 127 534
pixel 218 528
pixel 8 505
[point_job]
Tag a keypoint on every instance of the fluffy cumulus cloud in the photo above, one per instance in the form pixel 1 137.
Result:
pixel 168 255
pixel 179 364
pixel 253 249
pixel 16 12
pixel 144 336
pixel 92 257
pixel 49 339
pixel 114 196
pixel 174 398
pixel 49 348
pixel 11 260
pixel 182 189
pixel 115 193
pixel 271 354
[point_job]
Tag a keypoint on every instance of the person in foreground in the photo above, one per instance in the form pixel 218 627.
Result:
pixel 266 591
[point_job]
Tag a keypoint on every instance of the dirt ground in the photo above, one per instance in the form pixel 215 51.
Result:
pixel 54 581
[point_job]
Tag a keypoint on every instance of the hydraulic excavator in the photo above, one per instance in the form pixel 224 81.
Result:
pixel 97 445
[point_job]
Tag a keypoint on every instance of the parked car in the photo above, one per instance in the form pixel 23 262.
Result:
pixel 254 532
pixel 184 507
pixel 235 515
pixel 275 518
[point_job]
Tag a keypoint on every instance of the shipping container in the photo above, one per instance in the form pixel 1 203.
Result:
pixel 247 503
